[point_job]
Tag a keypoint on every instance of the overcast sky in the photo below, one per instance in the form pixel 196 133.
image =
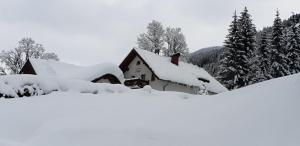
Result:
pixel 87 32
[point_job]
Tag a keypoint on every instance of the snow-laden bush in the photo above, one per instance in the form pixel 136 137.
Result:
pixel 6 91
pixel 31 85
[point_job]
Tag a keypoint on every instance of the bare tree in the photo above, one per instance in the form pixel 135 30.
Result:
pixel 168 41
pixel 175 42
pixel 153 39
pixel 13 60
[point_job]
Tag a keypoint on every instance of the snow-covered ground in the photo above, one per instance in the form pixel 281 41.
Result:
pixel 264 114
pixel 12 85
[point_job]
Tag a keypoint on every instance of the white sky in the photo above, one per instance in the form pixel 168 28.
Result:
pixel 88 32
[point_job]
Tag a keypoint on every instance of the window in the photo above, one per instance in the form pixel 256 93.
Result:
pixel 138 62
pixel 153 77
pixel 143 76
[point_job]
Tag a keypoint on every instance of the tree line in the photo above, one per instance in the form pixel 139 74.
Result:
pixel 246 60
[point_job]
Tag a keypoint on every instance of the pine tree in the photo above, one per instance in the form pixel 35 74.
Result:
pixel 245 52
pixel 264 56
pixel 228 64
pixel 293 47
pixel 279 61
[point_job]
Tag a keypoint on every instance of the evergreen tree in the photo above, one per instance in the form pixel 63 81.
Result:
pixel 245 52
pixel 293 47
pixel 264 56
pixel 279 61
pixel 228 64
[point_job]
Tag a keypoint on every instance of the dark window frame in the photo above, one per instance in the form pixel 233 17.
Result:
pixel 143 76
pixel 153 77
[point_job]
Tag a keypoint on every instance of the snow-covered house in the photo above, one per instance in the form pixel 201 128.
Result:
pixel 101 73
pixel 142 67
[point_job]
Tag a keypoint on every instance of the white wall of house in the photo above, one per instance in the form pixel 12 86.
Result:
pixel 171 86
pixel 137 70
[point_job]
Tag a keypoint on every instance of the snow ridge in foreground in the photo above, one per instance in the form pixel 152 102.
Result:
pixel 264 114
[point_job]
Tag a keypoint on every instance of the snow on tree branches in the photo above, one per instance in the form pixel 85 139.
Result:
pixel 13 60
pixel 228 65
pixel 293 46
pixel 153 40
pixel 175 42
pixel 249 57
pixel 237 65
pixel 264 56
pixel 279 61
pixel 159 40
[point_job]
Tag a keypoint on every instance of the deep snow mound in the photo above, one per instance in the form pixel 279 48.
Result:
pixel 264 114
pixel 32 85
pixel 54 68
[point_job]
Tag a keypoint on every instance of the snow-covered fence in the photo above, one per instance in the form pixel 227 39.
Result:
pixel 31 85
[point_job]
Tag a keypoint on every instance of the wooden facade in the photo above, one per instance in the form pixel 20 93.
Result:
pixel 111 78
pixel 27 69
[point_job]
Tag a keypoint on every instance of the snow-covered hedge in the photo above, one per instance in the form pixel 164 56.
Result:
pixel 31 85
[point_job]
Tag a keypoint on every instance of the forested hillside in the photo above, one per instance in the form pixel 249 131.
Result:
pixel 209 58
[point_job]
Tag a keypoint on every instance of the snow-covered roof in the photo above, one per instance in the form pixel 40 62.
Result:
pixel 184 73
pixel 70 71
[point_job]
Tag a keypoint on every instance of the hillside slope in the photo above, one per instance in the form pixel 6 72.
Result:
pixel 264 114
pixel 208 58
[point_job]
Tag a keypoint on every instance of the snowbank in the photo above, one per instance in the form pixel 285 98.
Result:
pixel 69 71
pixel 30 85
pixel 6 91
pixel 264 114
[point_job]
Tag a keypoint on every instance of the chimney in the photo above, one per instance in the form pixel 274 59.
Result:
pixel 175 58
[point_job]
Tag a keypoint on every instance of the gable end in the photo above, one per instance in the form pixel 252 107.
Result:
pixel 27 68
pixel 124 65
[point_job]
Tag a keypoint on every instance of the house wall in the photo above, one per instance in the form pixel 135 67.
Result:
pixel 136 71
pixel 162 85
pixel 103 81
pixel 27 69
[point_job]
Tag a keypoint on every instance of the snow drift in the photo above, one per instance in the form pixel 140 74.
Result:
pixel 32 85
pixel 264 114
pixel 54 68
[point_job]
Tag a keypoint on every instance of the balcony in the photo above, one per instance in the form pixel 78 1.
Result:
pixel 136 83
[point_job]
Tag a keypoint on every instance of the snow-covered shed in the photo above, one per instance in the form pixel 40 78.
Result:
pixel 142 67
pixel 101 73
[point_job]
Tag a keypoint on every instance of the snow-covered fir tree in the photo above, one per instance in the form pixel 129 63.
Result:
pixel 245 53
pixel 153 40
pixel 175 41
pixel 263 53
pixel 293 46
pixel 278 58
pixel 228 65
